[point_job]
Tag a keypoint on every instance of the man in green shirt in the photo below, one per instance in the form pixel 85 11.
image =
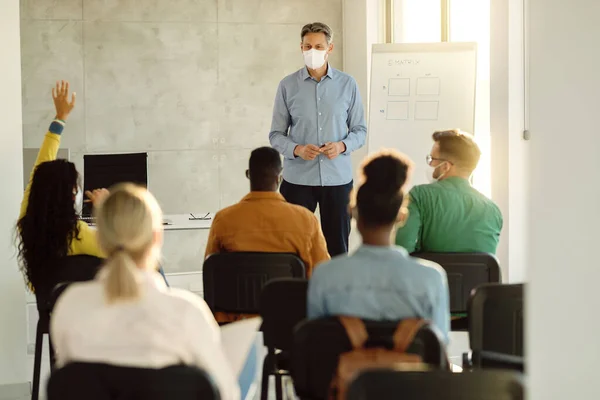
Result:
pixel 448 215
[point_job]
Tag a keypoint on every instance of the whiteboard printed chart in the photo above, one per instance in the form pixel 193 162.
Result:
pixel 417 89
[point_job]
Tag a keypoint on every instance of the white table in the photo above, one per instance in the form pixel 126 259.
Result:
pixel 182 222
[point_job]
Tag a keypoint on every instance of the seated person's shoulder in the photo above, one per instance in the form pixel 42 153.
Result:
pixel 430 269
pixel 332 269
pixel 83 288
pixel 226 212
pixel 492 204
pixel 185 298
pixel 81 294
pixel 229 214
pixel 419 191
pixel 489 204
pixel 82 225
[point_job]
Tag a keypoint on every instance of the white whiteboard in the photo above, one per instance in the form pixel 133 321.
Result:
pixel 416 89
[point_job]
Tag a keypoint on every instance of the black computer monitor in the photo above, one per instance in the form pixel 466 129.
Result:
pixel 106 170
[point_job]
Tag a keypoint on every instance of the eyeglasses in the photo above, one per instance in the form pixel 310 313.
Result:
pixel 429 159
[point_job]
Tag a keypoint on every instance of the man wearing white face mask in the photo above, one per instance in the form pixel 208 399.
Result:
pixel 318 121
pixel 448 215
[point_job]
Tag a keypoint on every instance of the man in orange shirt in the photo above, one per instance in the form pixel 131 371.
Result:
pixel 264 222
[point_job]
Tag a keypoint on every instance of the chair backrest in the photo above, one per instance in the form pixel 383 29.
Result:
pixel 57 292
pixel 233 281
pixel 282 307
pixel 465 272
pixel 78 268
pixel 434 385
pixel 89 381
pixel 319 343
pixel 496 319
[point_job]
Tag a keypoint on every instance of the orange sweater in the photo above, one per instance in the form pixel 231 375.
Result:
pixel 265 222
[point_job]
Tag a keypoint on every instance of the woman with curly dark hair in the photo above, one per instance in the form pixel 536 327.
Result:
pixel 48 228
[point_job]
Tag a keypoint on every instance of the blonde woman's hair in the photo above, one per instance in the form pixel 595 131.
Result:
pixel 127 222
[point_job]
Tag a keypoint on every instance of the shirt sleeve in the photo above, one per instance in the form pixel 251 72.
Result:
pixel 86 242
pixel 48 152
pixel 206 350
pixel 317 248
pixel 213 245
pixel 357 127
pixel 441 307
pixel 408 235
pixel 280 125
pixel 315 302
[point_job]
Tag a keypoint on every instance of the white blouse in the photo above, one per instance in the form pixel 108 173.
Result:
pixel 166 326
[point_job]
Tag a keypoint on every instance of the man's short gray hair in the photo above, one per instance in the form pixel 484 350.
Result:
pixel 317 27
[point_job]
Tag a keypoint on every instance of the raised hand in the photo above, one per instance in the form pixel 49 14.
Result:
pixel 60 95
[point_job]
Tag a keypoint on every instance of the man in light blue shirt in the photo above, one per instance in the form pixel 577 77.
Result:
pixel 381 281
pixel 318 120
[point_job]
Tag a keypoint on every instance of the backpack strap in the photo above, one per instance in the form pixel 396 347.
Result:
pixel 356 331
pixel 405 333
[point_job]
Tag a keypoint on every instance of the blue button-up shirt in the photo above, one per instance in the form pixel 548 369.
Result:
pixel 311 112
pixel 382 284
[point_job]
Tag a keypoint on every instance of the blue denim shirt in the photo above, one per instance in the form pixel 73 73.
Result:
pixel 380 283
pixel 311 112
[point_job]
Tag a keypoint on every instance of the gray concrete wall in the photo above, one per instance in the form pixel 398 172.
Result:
pixel 190 81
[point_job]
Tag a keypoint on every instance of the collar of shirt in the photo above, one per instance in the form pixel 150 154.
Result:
pixel 145 277
pixel 330 72
pixel 382 249
pixel 263 196
pixel 457 182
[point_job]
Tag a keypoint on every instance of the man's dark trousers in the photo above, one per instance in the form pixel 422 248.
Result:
pixel 333 206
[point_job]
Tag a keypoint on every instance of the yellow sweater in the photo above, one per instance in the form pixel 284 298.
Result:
pixel 86 242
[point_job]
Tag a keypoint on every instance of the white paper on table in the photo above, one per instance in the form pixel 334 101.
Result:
pixel 237 339
pixel 456 368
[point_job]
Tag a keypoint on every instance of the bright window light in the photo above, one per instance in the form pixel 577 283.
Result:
pixel 470 22
pixel 417 21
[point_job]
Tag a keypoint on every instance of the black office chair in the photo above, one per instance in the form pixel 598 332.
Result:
pixel 465 272
pixel 435 385
pixel 319 343
pixel 496 327
pixel 233 281
pixel 282 307
pixel 71 269
pixel 78 381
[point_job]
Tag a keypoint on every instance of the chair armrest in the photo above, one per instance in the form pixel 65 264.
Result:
pixel 467 361
pixel 483 359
